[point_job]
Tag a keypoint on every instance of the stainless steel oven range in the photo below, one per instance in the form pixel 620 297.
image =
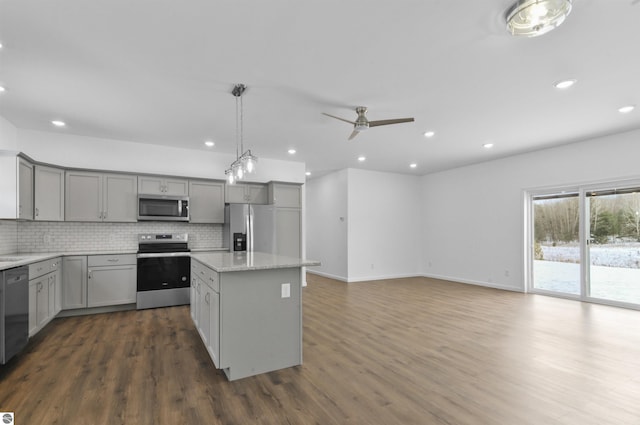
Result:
pixel 164 270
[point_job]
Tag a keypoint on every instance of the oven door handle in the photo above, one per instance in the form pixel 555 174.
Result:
pixel 163 254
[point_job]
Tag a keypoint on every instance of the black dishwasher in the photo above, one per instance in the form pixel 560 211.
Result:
pixel 14 312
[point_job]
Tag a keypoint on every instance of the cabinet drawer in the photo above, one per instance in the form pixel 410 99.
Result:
pixel 40 268
pixel 112 260
pixel 204 273
pixel 211 279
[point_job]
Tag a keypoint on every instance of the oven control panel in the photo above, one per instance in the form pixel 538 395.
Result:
pixel 162 237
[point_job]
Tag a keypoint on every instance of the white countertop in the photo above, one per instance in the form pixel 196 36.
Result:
pixel 244 261
pixel 220 261
pixel 26 258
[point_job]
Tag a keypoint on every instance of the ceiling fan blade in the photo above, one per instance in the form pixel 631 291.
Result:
pixel 354 134
pixel 338 118
pixel 387 122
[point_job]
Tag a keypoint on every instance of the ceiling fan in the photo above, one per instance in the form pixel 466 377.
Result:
pixel 362 123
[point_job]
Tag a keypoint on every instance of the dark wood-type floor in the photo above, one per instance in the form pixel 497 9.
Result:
pixel 408 351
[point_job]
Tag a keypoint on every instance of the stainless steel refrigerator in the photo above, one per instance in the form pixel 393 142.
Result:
pixel 250 228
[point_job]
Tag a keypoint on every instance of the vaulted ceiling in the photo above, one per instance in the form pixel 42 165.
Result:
pixel 161 72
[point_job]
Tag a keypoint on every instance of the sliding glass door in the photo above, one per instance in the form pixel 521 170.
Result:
pixel 585 243
pixel 614 245
pixel 556 253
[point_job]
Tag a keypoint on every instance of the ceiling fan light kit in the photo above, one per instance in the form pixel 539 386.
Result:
pixel 245 163
pixel 362 123
pixel 531 18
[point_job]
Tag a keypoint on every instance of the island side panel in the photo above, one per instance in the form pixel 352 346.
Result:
pixel 259 330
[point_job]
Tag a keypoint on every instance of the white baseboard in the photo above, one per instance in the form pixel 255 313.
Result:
pixel 474 282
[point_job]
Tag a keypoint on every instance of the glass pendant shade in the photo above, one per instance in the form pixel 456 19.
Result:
pixel 531 18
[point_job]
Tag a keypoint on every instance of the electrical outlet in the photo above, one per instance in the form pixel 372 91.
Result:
pixel 285 290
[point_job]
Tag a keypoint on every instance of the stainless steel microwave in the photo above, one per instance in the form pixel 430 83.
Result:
pixel 163 208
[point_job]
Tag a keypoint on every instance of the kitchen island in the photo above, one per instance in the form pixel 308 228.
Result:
pixel 247 307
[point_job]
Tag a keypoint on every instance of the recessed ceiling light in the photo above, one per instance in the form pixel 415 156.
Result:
pixel 429 134
pixel 2 89
pixel 362 158
pixel 308 173
pixel 209 143
pixel 626 109
pixel 564 84
pixel 413 165
pixel 58 123
pixel 291 151
pixel 487 145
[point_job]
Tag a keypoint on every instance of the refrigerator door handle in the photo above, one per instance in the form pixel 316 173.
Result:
pixel 250 230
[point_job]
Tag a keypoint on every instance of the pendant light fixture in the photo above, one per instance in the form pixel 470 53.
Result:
pixel 531 18
pixel 245 163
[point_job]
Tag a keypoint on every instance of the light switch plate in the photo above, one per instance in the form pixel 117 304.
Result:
pixel 286 290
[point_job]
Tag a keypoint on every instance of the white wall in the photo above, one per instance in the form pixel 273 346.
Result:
pixel 8 136
pixel 473 228
pixel 364 225
pixel 326 224
pixel 86 152
pixel 384 225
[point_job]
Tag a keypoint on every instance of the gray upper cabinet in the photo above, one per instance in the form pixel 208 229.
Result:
pixel 246 193
pixel 159 185
pixel 49 193
pixel 120 197
pixel 100 197
pixel 25 190
pixel 206 201
pixel 285 195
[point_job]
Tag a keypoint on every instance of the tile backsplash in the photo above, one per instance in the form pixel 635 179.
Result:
pixel 58 236
pixel 8 236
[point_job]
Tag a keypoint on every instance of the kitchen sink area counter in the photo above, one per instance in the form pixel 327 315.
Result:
pixel 247 307
pixel 8 261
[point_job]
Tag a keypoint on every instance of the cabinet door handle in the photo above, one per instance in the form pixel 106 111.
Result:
pixel 206 297
pixel 104 215
pixel 113 260
pixel 89 274
pixel 37 212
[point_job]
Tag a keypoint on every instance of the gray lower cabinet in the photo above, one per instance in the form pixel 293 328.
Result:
pixel 74 282
pixel 206 201
pixel 111 280
pixel 44 293
pixel 205 309
pixel 193 299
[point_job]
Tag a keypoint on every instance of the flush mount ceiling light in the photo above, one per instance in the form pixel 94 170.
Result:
pixel 429 134
pixel 58 123
pixel 245 163
pixel 487 145
pixel 209 143
pixel 531 18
